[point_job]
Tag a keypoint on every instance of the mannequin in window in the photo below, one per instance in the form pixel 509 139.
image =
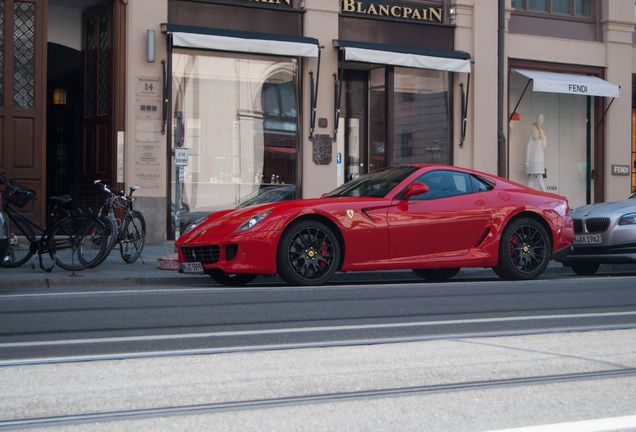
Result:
pixel 535 166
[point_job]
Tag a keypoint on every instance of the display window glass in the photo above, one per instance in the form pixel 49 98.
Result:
pixel 548 145
pixel 422 117
pixel 238 118
pixel 393 116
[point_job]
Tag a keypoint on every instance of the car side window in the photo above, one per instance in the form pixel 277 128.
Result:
pixel 480 184
pixel 443 184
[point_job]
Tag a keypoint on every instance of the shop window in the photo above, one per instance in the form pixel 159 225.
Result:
pixel 578 8
pixel 279 106
pixel 404 112
pixel 238 117
pixel 422 117
pixel 548 142
pixel 378 120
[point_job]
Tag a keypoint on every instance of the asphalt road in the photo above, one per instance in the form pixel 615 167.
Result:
pixel 109 321
pixel 477 355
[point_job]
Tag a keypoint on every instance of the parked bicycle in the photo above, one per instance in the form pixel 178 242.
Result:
pixel 73 238
pixel 129 233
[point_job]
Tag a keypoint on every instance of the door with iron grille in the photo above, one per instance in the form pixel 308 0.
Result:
pixel 23 95
pixel 98 159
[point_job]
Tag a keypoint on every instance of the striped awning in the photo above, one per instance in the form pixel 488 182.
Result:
pixel 452 61
pixel 240 41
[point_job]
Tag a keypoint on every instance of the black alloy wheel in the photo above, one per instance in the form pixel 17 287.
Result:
pixel 524 250
pixel 308 254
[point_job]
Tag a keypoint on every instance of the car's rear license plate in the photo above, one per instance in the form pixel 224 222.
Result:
pixel 191 267
pixel 587 239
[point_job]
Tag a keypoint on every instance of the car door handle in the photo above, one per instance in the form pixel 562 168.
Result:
pixel 480 202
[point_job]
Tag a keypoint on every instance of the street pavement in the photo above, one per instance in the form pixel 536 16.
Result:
pixel 459 384
pixel 158 265
pixel 454 384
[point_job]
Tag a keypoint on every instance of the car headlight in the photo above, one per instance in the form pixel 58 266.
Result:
pixel 628 219
pixel 254 220
pixel 193 225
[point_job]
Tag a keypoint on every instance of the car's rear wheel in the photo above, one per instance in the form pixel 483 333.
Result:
pixel 436 275
pixel 524 250
pixel 308 253
pixel 585 269
pixel 233 279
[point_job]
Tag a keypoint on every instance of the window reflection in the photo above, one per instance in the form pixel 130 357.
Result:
pixel 580 8
pixel 238 118
pixel 561 6
pixel 422 116
pixel 541 5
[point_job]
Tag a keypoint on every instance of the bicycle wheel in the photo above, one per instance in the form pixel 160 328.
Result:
pixel 94 244
pixel 132 237
pixel 76 242
pixel 111 239
pixel 21 237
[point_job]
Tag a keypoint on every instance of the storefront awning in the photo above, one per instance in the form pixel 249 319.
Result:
pixel 452 61
pixel 239 41
pixel 552 82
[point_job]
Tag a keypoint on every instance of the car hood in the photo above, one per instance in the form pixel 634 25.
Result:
pixel 606 209
pixel 226 222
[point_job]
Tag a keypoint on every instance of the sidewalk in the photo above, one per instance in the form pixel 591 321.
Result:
pixel 159 268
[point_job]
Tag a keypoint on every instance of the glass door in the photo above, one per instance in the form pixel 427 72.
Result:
pixel 393 116
pixel 352 130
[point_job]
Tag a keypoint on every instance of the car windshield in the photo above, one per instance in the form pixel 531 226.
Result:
pixel 374 184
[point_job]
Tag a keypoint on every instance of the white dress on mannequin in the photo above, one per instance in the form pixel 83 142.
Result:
pixel 535 164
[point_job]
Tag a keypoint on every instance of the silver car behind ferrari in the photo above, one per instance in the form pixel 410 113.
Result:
pixel 604 234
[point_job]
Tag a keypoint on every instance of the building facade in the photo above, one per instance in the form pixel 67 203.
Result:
pixel 210 104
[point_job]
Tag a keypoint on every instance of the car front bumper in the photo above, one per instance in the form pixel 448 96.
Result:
pixel 254 254
pixel 618 254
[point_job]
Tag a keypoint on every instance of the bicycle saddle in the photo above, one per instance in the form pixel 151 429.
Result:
pixel 63 199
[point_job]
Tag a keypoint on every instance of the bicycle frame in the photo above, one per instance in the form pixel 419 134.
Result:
pixel 66 231
pixel 36 235
pixel 20 221
pixel 131 216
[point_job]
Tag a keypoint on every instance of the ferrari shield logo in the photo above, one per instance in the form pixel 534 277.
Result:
pixel 350 214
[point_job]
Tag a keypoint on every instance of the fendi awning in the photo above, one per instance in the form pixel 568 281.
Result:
pixel 585 85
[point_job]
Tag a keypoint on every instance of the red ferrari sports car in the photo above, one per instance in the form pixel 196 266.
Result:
pixel 433 219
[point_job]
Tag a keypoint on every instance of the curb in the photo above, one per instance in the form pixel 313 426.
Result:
pixel 165 273
pixel 168 262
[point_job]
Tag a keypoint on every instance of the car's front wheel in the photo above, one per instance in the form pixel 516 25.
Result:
pixel 524 250
pixel 308 254
pixel 585 269
pixel 436 275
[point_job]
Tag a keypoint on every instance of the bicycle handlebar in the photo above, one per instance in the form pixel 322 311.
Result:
pixel 118 193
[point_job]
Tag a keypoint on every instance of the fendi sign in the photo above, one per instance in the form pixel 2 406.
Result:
pixel 388 9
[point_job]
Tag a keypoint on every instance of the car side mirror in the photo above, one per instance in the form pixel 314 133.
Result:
pixel 415 189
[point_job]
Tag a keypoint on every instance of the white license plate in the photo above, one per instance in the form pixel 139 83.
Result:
pixel 587 239
pixel 191 267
